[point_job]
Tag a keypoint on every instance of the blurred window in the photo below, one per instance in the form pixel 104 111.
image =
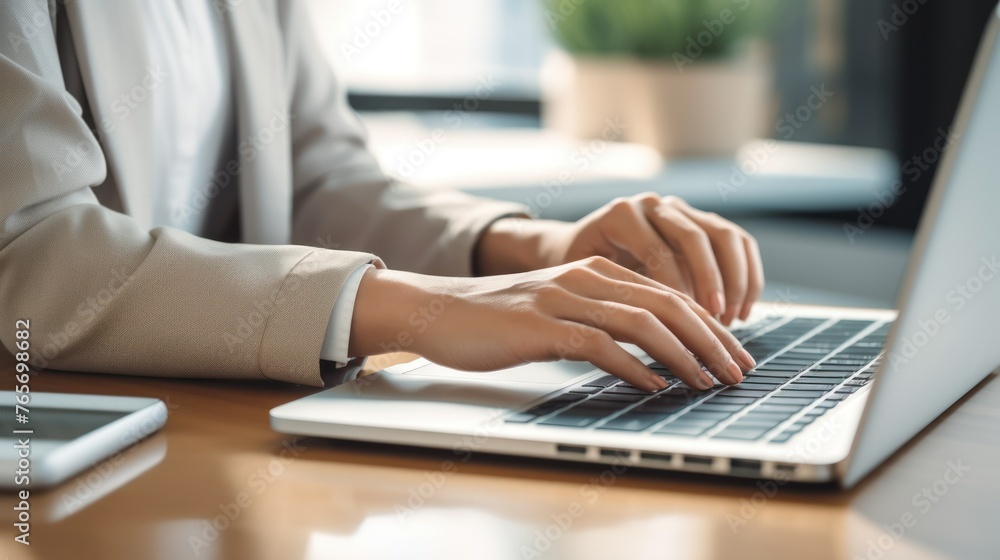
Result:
pixel 434 47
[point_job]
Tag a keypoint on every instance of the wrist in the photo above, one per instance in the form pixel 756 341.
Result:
pixel 382 295
pixel 512 245
pixel 387 307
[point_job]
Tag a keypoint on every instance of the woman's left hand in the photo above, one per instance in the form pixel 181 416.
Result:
pixel 700 253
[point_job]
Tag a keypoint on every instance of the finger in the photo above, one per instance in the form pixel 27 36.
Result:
pixel 612 272
pixel 640 327
pixel 686 270
pixel 692 331
pixel 755 275
pixel 682 233
pixel 600 349
pixel 727 338
pixel 731 255
pixel 675 312
pixel 633 234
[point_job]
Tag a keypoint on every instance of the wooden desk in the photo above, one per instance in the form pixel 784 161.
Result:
pixel 328 499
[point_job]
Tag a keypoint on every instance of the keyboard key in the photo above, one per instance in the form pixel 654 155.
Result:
pixel 618 397
pixel 783 437
pixel 826 376
pixel 626 390
pixel 723 399
pixel 857 324
pixel 698 414
pixel 789 400
pixel 555 404
pixel 520 418
pixel 803 386
pixel 789 391
pixel 757 428
pixel 584 390
pixel 758 353
pixel 748 434
pixel 569 420
pixel 846 362
pixel 761 378
pixel 766 416
pixel 693 416
pixel 687 392
pixel 778 408
pixel 773 367
pixel 713 406
pixel 866 354
pixel 597 409
pixel 784 359
pixel 799 425
pixel 761 381
pixel 738 392
pixel 763 388
pixel 674 429
pixel 762 371
pixel 631 422
pixel 665 404
pixel 603 381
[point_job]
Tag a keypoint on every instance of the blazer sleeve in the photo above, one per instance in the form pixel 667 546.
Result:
pixel 103 294
pixel 342 196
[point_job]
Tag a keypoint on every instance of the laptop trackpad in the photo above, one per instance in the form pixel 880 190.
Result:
pixel 543 372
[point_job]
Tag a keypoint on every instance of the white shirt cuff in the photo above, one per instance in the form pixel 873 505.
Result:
pixel 338 331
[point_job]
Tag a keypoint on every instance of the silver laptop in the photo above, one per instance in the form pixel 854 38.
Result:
pixel 836 391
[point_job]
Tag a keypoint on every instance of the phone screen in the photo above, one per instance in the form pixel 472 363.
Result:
pixel 58 424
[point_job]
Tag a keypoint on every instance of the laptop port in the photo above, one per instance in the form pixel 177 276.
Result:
pixel 615 453
pixel 697 461
pixel 744 467
pixel 658 457
pixel 571 449
pixel 785 468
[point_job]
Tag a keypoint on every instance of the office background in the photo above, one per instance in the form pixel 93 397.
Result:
pixel 897 69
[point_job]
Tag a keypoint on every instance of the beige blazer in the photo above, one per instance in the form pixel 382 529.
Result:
pixel 106 293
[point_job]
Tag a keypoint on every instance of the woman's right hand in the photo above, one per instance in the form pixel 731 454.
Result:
pixel 575 311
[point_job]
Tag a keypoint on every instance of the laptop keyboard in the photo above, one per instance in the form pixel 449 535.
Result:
pixel 806 367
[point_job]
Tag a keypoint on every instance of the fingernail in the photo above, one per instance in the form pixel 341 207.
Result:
pixel 735 374
pixel 747 358
pixel 705 381
pixel 659 382
pixel 718 304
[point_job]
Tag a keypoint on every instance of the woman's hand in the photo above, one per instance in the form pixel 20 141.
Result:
pixel 698 253
pixel 574 311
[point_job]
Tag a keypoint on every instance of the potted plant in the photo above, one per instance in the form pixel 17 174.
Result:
pixel 688 77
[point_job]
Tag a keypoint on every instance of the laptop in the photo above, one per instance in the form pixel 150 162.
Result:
pixel 836 390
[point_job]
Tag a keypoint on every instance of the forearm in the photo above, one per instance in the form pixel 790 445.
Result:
pixel 512 245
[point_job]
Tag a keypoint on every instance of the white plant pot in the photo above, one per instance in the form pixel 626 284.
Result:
pixel 705 109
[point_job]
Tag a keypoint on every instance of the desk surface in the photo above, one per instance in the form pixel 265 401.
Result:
pixel 324 499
